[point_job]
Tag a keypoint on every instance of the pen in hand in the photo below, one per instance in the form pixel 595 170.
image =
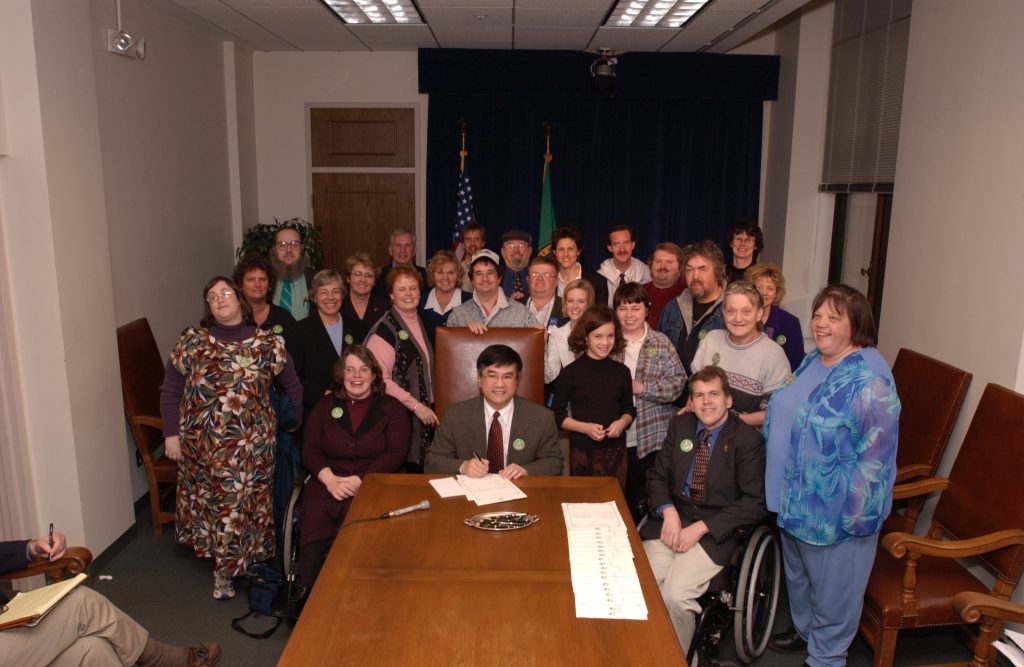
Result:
pixel 51 535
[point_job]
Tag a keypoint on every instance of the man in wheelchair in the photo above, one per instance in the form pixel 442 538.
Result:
pixel 706 484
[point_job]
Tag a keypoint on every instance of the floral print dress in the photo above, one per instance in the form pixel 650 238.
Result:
pixel 227 429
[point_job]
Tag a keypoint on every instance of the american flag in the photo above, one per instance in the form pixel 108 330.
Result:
pixel 463 212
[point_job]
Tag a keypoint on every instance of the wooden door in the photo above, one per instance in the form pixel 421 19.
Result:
pixel 358 212
pixel 363 164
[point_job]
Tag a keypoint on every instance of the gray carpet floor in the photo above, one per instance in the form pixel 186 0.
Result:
pixel 165 588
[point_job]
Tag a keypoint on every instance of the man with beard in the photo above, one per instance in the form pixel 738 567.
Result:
pixel 402 249
pixel 698 308
pixel 516 248
pixel 289 259
pixel 666 279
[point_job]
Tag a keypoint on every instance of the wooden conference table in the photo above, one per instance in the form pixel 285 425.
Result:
pixel 425 589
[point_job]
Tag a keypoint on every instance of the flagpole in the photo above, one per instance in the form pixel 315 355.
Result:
pixel 547 210
pixel 463 127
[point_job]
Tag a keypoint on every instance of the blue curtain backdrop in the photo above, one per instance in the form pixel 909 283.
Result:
pixel 676 152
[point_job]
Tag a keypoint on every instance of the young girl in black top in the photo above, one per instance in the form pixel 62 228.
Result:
pixel 598 392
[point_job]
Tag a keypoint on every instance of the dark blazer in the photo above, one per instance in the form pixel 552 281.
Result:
pixel 734 487
pixel 599 283
pixel 314 356
pixel 280 318
pixel 556 319
pixel 381 444
pixel 357 328
pixel 432 315
pixel 12 557
pixel 462 432
pixel 381 286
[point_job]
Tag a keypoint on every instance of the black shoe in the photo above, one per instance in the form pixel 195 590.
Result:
pixel 789 641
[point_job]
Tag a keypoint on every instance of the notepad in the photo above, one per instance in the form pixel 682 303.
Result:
pixel 30 608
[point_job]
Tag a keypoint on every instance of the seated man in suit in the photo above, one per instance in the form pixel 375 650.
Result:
pixel 496 432
pixel 85 628
pixel 707 482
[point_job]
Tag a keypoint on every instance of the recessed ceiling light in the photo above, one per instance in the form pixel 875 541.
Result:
pixel 653 13
pixel 375 11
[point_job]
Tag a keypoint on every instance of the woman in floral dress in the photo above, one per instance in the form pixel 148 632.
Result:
pixel 219 427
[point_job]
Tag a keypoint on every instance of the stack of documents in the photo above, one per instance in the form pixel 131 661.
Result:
pixel 604 577
pixel 1011 647
pixel 481 490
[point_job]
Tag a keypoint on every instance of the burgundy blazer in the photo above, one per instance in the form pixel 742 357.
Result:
pixel 380 445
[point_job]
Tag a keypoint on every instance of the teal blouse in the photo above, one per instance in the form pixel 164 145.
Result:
pixel 831 467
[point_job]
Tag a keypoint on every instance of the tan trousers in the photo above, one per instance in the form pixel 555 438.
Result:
pixel 84 628
pixel 682 578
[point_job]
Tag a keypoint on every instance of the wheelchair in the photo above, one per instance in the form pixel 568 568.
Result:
pixel 289 547
pixel 745 594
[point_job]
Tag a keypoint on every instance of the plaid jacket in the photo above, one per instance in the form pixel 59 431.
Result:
pixel 663 377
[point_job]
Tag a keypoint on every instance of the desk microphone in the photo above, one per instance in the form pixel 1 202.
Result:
pixel 422 505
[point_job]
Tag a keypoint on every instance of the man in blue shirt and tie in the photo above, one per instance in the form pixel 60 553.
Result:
pixel 707 482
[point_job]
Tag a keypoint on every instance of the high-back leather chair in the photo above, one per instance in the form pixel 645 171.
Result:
pixel 980 513
pixel 931 393
pixel 455 353
pixel 142 371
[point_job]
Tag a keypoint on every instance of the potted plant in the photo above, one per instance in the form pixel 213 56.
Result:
pixel 259 239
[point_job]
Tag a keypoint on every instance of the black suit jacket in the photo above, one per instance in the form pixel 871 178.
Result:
pixel 12 557
pixel 463 432
pixel 381 286
pixel 314 356
pixel 734 488
pixel 599 283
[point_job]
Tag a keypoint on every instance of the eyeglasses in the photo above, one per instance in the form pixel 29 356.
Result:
pixel 485 274
pixel 516 245
pixel 289 244
pixel 223 295
pixel 357 274
pixel 545 276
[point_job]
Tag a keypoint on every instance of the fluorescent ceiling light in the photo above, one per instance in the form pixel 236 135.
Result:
pixel 375 11
pixel 653 13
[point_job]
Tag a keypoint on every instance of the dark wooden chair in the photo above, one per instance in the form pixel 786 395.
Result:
pixel 74 561
pixel 979 514
pixel 455 353
pixel 142 371
pixel 989 612
pixel 931 393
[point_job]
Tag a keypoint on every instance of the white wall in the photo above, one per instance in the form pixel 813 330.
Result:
pixel 63 358
pixel 287 84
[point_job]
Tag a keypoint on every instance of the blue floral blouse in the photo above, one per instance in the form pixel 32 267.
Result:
pixel 831 448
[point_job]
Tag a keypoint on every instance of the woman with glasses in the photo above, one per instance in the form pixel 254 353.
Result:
pixel 361 307
pixel 317 341
pixel 219 426
pixel 755 365
pixel 745 243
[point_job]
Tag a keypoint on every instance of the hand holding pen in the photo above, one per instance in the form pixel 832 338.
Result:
pixel 50 547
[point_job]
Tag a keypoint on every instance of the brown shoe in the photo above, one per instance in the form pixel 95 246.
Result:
pixel 206 654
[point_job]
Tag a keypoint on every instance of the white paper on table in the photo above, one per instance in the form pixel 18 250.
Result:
pixel 448 487
pixel 592 515
pixel 1008 649
pixel 490 489
pixel 1014 636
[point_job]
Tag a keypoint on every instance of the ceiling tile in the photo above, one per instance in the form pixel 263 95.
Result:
pixel 554 18
pixel 463 4
pixel 467 16
pixel 559 39
pixel 632 39
pixel 603 6
pixel 395 37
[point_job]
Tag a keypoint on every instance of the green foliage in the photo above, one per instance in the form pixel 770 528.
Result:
pixel 258 240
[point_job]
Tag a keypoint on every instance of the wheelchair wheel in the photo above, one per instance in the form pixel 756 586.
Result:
pixel 757 594
pixel 290 548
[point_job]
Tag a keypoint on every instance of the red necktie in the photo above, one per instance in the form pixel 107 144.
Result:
pixel 700 468
pixel 495 447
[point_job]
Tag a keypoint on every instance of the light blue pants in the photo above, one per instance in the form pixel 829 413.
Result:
pixel 826 592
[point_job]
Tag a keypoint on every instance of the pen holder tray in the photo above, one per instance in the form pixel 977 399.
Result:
pixel 502 520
